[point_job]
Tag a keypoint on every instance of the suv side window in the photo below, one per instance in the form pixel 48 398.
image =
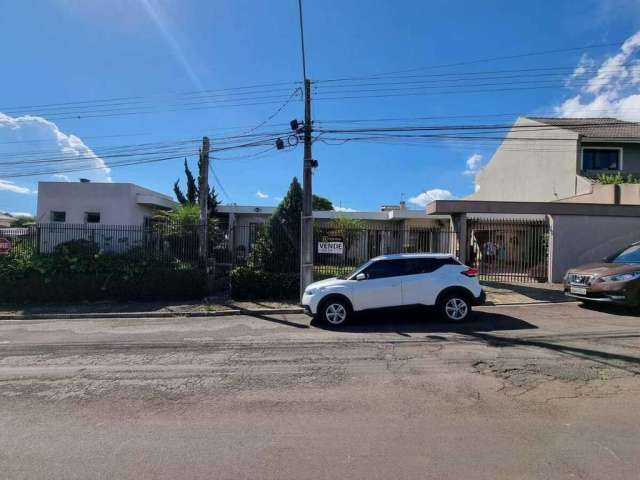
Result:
pixel 419 266
pixel 385 269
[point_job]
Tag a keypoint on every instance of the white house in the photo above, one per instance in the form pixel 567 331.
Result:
pixel 5 219
pixel 104 203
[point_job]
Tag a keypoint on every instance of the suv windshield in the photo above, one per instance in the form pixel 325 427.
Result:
pixel 354 271
pixel 628 255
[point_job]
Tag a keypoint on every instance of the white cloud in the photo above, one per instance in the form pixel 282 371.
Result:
pixel 12 187
pixel 30 135
pixel 62 177
pixel 612 91
pixel 424 198
pixel 21 214
pixel 260 194
pixel 344 209
pixel 585 64
pixel 474 163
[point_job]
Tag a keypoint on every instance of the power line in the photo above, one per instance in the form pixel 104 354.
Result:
pixel 238 90
pixel 219 183
pixel 484 60
pixel 297 91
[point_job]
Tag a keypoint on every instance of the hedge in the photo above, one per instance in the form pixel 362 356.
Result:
pixel 250 284
pixel 34 288
pixel 78 271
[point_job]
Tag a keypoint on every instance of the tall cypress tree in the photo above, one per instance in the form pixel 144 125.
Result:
pixel 192 195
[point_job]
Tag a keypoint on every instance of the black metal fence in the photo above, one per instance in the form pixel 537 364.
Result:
pixel 161 240
pixel 173 242
pixel 337 251
pixel 509 250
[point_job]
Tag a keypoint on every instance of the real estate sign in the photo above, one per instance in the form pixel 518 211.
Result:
pixel 333 245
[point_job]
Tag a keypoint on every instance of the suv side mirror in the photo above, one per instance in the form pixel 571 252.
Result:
pixel 361 276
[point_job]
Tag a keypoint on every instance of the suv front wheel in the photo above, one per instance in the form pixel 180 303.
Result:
pixel 455 307
pixel 335 312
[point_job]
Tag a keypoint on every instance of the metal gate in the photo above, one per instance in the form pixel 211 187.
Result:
pixel 338 250
pixel 509 250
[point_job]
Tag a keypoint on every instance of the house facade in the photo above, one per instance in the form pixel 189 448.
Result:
pixel 98 203
pixel 552 159
pixel 5 219
pixel 241 224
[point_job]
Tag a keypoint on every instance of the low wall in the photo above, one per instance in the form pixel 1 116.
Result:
pixel 578 239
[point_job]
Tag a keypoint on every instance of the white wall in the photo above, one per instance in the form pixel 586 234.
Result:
pixel 530 165
pixel 579 239
pixel 116 202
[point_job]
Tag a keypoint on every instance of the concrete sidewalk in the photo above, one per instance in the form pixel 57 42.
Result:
pixel 523 293
pixel 497 294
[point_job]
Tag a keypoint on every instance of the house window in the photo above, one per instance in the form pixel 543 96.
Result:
pixel 92 217
pixel 59 217
pixel 601 159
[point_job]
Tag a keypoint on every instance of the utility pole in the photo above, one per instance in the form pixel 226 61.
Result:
pixel 306 253
pixel 203 200
pixel 306 234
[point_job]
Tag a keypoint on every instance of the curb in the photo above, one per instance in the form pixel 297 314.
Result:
pixel 218 313
pixel 125 315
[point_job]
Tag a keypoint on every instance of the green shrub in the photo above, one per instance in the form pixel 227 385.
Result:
pixel 77 272
pixel 250 284
pixel 617 179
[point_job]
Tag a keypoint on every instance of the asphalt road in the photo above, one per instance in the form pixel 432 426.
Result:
pixel 546 391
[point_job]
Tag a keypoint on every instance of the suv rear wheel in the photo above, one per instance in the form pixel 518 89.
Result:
pixel 335 312
pixel 455 307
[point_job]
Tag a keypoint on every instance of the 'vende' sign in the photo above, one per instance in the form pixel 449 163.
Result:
pixel 331 247
pixel 5 246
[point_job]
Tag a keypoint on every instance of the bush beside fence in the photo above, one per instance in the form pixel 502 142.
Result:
pixel 61 263
pixel 250 284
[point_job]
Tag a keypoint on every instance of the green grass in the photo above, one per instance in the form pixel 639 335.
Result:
pixel 320 272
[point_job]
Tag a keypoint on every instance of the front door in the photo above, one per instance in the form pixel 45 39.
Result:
pixel 382 287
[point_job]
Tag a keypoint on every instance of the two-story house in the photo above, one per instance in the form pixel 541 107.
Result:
pixel 551 159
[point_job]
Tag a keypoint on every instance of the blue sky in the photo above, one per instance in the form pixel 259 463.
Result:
pixel 61 51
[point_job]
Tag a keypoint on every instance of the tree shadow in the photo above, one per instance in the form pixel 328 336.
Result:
pixel 598 356
pixel 611 309
pixel 538 292
pixel 404 322
pixel 279 321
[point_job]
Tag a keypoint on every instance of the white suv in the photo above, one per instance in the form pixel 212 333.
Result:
pixel 396 280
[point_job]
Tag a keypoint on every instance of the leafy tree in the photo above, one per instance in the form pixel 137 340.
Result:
pixel 192 195
pixel 349 229
pixel 192 190
pixel 322 203
pixel 288 213
pixel 277 248
pixel 180 226
pixel 188 213
pixel 22 221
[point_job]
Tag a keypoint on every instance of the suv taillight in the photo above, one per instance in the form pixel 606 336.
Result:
pixel 470 272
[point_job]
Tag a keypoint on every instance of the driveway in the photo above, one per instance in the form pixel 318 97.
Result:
pixel 539 391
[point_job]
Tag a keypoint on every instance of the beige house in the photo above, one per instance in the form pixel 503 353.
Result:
pixel 5 219
pixel 551 159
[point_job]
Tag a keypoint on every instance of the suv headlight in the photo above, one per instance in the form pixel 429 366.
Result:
pixel 621 277
pixel 310 291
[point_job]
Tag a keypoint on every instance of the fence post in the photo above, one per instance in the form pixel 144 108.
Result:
pixel 459 221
